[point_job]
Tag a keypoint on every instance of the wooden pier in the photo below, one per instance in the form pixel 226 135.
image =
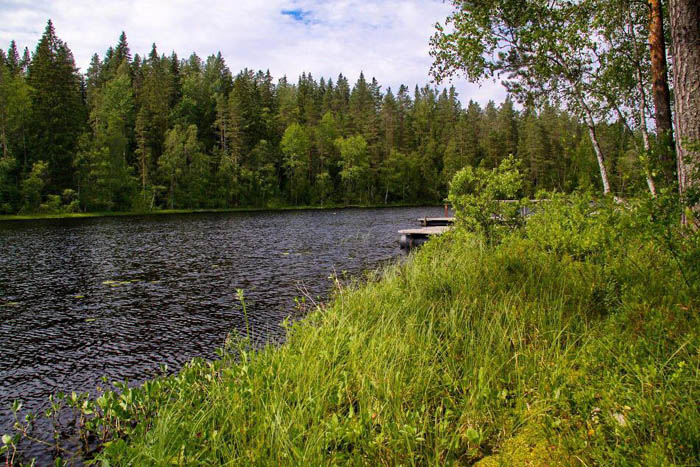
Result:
pixel 411 238
pixel 436 221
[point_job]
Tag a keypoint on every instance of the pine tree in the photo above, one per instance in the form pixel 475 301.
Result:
pixel 404 123
pixel 341 103
pixel 230 127
pixel 154 97
pixel 58 112
pixel 25 62
pixel 114 58
pixel 12 59
pixel 183 163
pixel 463 147
pixel 389 123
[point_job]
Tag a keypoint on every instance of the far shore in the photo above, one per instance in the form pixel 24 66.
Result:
pixel 79 215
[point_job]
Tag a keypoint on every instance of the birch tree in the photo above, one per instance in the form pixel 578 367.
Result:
pixel 542 47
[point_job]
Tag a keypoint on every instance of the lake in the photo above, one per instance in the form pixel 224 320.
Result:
pixel 121 296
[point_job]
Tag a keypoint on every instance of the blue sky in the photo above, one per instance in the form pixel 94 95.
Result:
pixel 387 39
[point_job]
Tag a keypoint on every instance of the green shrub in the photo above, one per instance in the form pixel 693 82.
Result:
pixel 477 195
pixel 52 205
pixel 33 186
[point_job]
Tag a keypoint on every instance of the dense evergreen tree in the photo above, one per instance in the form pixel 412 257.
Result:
pixel 161 131
pixel 107 179
pixel 58 112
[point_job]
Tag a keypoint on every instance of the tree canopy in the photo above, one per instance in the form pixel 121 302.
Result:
pixel 599 59
pixel 145 131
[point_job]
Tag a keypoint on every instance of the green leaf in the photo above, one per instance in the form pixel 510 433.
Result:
pixel 473 435
pixel 16 406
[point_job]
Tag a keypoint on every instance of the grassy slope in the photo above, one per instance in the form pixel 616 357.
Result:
pixel 513 354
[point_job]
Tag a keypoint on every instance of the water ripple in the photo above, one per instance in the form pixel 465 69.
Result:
pixel 83 298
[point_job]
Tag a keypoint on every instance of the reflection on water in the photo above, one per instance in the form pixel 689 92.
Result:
pixel 83 298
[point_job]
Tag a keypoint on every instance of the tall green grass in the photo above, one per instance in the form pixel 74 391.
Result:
pixel 574 341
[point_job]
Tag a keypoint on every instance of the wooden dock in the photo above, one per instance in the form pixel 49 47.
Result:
pixel 410 238
pixel 436 221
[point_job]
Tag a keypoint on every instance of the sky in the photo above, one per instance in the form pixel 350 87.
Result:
pixel 386 39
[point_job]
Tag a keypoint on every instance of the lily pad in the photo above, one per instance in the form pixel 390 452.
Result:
pixel 118 283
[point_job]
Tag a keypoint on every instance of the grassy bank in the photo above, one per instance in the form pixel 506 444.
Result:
pixel 159 212
pixel 574 341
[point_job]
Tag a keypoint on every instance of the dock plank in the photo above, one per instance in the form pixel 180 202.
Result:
pixel 426 231
pixel 436 221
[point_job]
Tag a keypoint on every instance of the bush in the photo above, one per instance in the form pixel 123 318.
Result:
pixel 52 205
pixel 576 225
pixel 477 196
pixel 33 186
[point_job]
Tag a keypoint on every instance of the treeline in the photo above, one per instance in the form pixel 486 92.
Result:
pixel 138 133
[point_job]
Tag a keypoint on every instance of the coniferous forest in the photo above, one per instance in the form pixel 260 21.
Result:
pixel 137 133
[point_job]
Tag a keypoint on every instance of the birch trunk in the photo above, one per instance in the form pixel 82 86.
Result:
pixel 596 146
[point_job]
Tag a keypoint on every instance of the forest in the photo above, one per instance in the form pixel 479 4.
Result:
pixel 137 133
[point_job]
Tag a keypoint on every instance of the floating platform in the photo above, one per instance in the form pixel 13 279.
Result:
pixel 436 221
pixel 410 238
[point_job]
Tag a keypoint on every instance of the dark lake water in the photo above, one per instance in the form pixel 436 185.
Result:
pixel 83 298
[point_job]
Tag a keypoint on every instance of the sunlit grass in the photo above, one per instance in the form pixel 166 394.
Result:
pixel 575 341
pixel 508 354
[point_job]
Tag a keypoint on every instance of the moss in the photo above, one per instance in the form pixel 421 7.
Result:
pixel 528 449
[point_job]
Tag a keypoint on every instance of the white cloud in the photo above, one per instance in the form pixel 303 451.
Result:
pixel 387 39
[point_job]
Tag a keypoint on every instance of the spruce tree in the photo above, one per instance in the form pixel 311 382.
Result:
pixel 58 112
pixel 12 60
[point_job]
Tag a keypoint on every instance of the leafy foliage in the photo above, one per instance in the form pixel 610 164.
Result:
pixel 485 199
pixel 265 142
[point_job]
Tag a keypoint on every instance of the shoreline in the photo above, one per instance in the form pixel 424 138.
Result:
pixel 166 212
pixel 521 351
